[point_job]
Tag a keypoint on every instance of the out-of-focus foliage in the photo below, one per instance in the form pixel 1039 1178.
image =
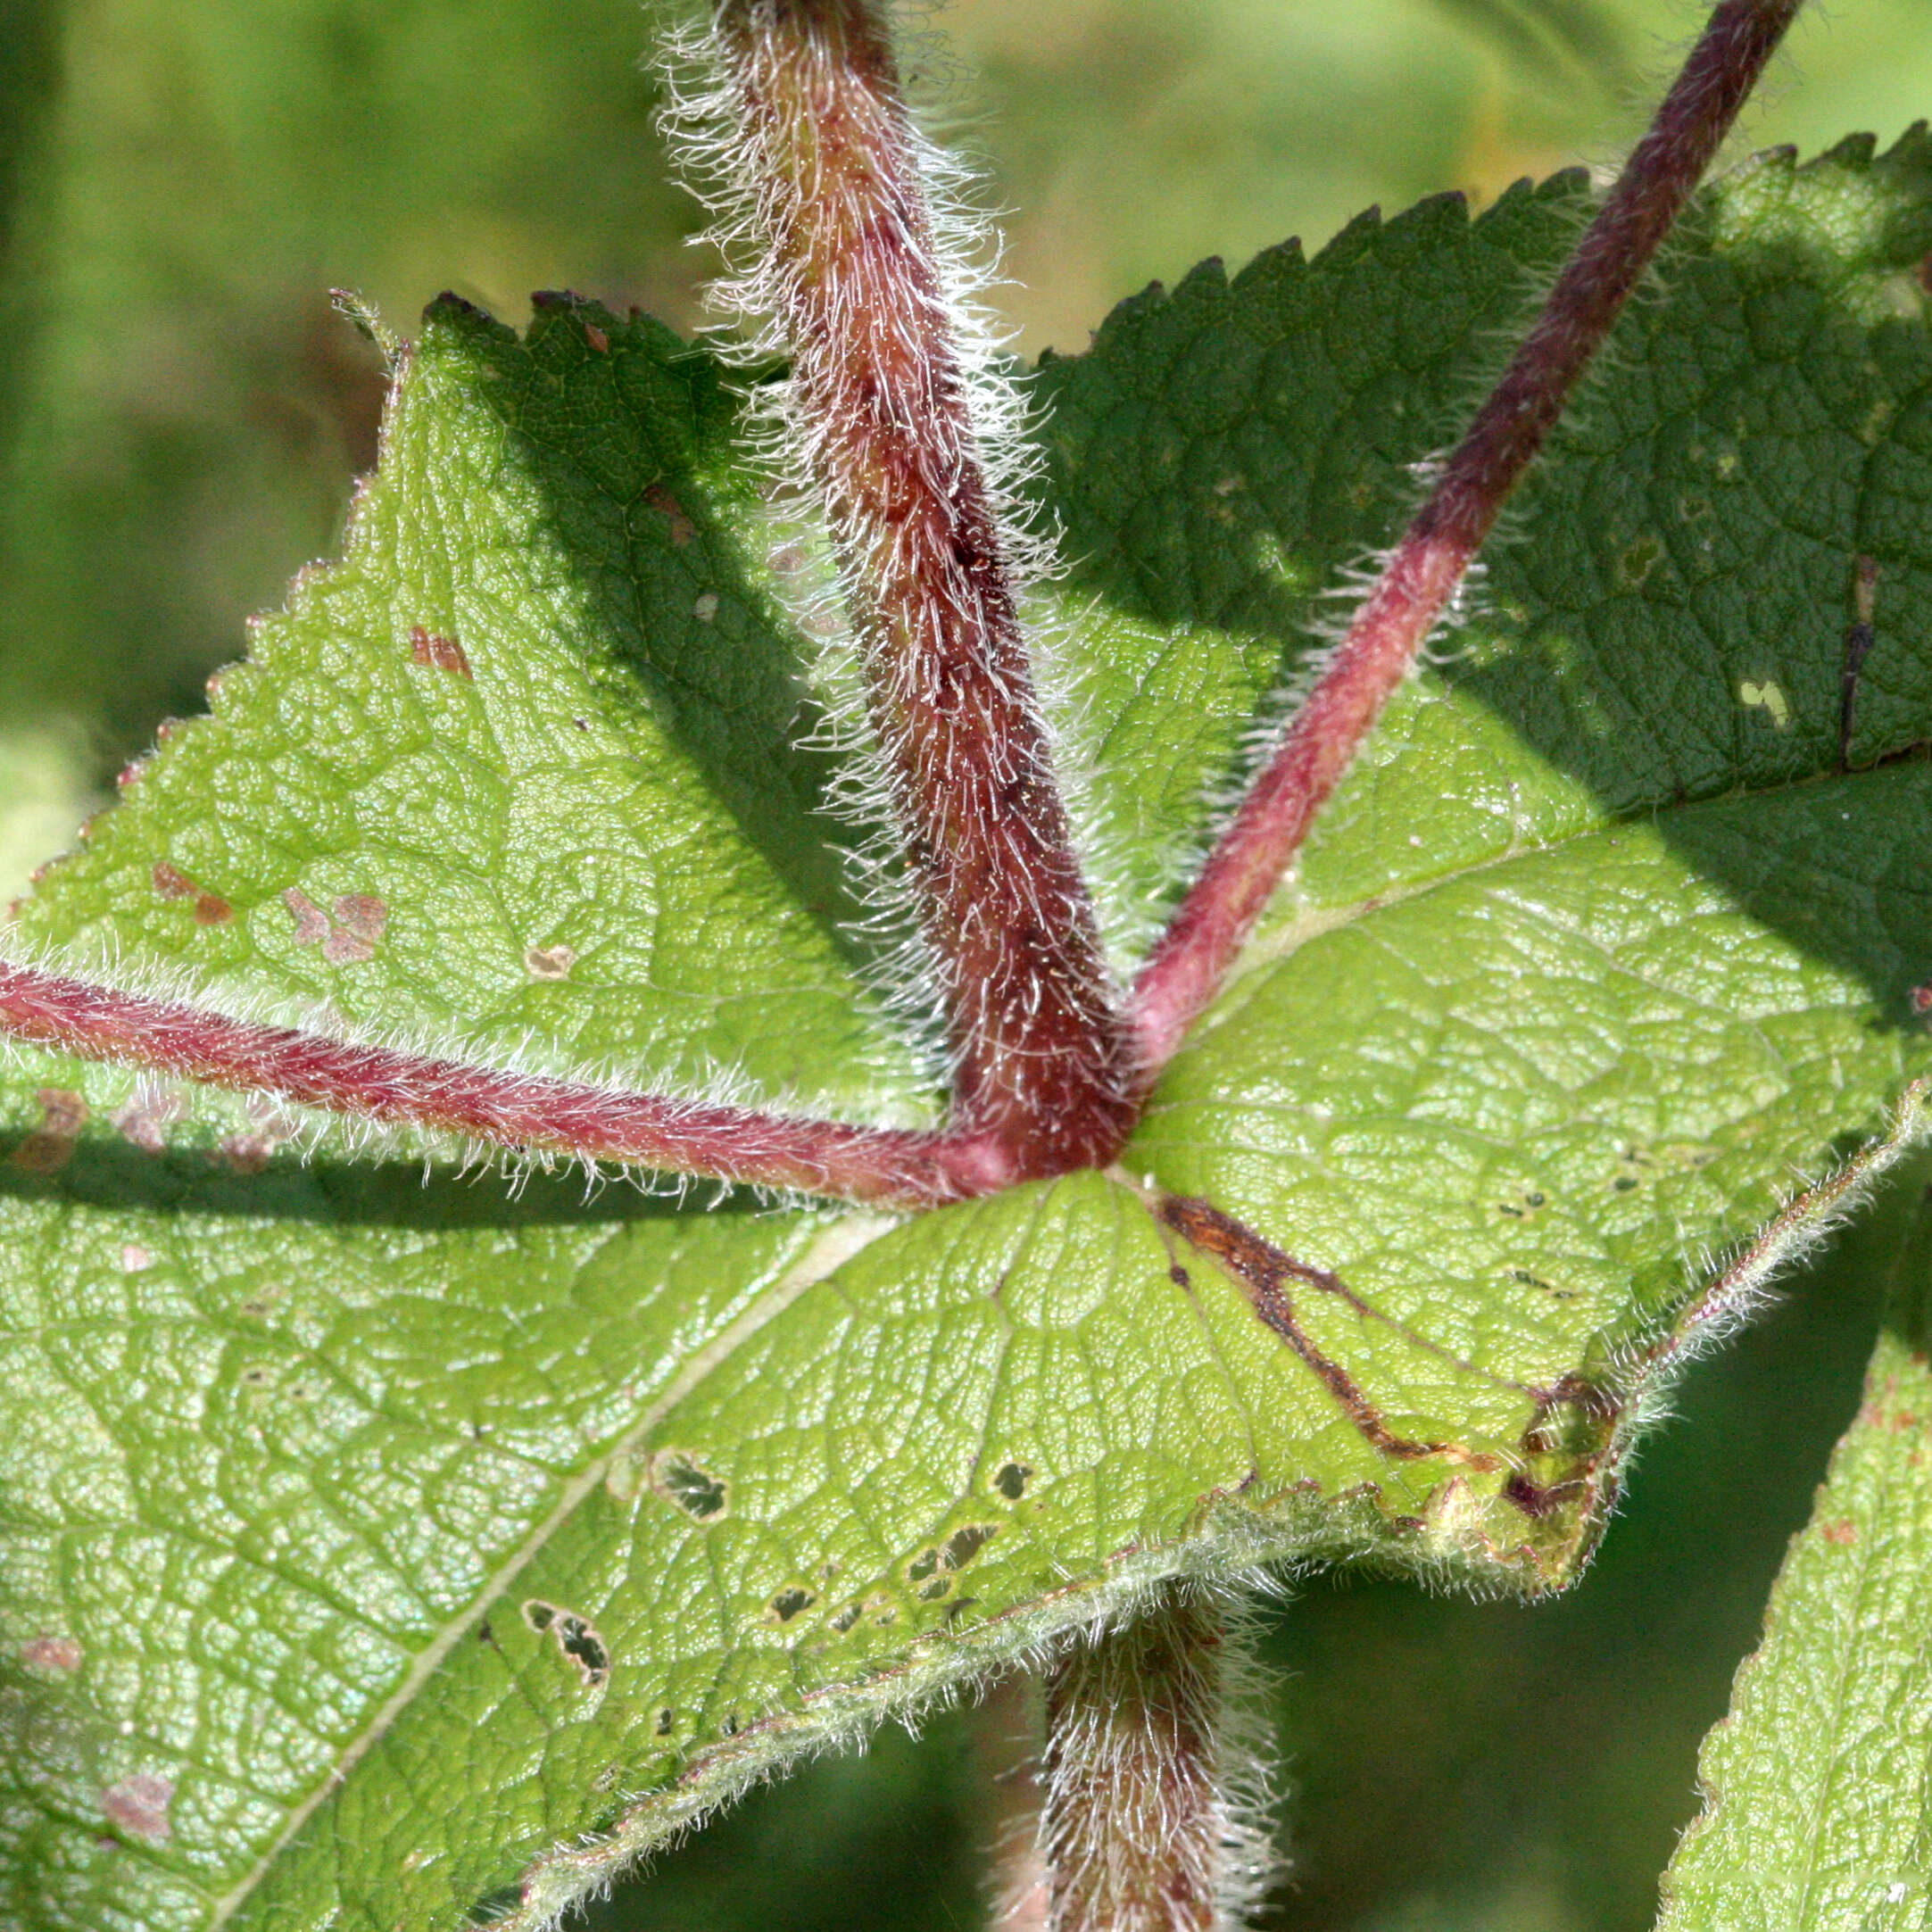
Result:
pixel 181 181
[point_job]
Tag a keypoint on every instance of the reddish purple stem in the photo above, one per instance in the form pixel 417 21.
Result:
pixel 1195 953
pixel 508 1109
pixel 1033 1017
pixel 1008 914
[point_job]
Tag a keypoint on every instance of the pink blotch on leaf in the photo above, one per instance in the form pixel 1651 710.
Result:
pixel 145 1118
pixel 53 1653
pixel 312 923
pixel 139 1805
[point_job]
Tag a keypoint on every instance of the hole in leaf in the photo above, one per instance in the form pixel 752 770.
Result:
pixel 585 1648
pixel 666 1718
pixel 1012 1481
pixel 932 1592
pixel 681 1479
pixel 965 1544
pixel 789 1603
pixel 922 1565
pixel 846 1617
pixel 574 1636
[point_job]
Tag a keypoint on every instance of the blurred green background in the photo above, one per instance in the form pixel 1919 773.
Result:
pixel 181 414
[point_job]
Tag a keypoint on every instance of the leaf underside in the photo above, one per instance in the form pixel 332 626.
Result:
pixel 369 1539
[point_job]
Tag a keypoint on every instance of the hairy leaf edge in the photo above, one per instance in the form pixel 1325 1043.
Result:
pixel 1234 1550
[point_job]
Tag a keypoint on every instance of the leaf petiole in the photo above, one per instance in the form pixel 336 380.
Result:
pixel 1193 956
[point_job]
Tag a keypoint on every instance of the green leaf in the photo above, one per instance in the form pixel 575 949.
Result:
pixel 386 1551
pixel 1818 1801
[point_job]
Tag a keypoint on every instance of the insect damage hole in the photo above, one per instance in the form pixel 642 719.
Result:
pixel 1011 1480
pixel 679 1478
pixel 791 1601
pixel 576 1638
pixel 965 1543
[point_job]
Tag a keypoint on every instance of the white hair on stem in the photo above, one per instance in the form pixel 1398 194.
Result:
pixel 1160 1789
pixel 828 553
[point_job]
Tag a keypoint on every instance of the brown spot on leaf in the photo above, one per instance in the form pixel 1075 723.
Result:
pixel 683 529
pixel 52 1654
pixel 1843 1534
pixel 1922 998
pixel 596 338
pixel 172 883
pixel 436 652
pixel 1534 1499
pixel 548 962
pixel 251 1151
pixel 50 1146
pixel 139 1805
pixel 63 1111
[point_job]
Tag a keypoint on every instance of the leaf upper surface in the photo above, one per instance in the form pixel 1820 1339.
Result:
pixel 1818 1803
pixel 380 1550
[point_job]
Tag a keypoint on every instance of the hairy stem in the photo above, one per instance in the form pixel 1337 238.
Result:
pixel 1135 1828
pixel 1006 1754
pixel 507 1109
pixel 1195 953
pixel 880 396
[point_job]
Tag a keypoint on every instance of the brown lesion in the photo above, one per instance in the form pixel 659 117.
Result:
pixel 1563 1447
pixel 1269 1276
